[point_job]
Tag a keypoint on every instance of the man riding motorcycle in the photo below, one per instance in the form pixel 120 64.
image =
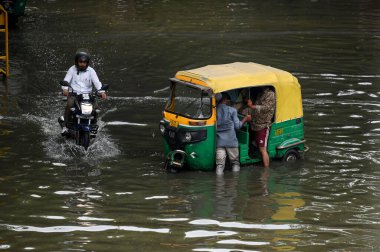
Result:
pixel 81 77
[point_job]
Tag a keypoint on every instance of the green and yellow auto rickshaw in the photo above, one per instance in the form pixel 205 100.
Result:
pixel 189 124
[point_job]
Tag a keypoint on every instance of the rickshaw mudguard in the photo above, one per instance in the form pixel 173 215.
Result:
pixel 293 143
pixel 197 156
pixel 284 136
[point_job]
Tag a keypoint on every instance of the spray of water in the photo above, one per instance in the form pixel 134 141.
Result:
pixel 60 148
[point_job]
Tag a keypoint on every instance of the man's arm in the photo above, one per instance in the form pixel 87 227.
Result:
pixel 95 80
pixel 247 118
pixel 68 78
pixel 268 102
pixel 98 85
pixel 238 124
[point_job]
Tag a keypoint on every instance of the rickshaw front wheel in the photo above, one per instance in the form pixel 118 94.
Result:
pixel 291 155
pixel 168 168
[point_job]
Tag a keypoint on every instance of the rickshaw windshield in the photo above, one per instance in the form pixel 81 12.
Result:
pixel 189 101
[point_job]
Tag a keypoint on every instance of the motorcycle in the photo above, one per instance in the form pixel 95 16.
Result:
pixel 82 125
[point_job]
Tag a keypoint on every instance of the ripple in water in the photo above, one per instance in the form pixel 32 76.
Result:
pixel 94 228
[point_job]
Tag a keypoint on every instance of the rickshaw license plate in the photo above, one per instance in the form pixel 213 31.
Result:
pixel 279 131
pixel 173 123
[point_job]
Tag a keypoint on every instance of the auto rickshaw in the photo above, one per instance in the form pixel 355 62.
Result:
pixel 189 125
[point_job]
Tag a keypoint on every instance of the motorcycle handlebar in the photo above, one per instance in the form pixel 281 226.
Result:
pixel 98 93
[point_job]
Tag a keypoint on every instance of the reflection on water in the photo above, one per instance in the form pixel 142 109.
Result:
pixel 54 196
pixel 92 228
pixel 225 196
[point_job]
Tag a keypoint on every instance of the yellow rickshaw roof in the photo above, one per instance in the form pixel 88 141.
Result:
pixel 235 75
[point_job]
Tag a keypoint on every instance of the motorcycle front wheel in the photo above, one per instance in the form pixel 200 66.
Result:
pixel 78 138
pixel 85 139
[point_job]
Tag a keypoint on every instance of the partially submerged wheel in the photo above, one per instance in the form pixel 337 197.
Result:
pixel 291 156
pixel 77 137
pixel 169 168
pixel 85 139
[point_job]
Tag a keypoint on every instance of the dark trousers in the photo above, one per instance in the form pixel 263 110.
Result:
pixel 69 104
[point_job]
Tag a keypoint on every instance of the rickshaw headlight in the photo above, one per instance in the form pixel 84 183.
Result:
pixel 193 136
pixel 187 136
pixel 162 129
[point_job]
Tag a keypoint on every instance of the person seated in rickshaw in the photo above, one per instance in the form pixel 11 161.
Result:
pixel 241 105
pixel 263 112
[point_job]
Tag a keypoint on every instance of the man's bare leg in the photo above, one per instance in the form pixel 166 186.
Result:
pixel 264 156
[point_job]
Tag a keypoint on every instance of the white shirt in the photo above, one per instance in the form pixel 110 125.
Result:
pixel 82 81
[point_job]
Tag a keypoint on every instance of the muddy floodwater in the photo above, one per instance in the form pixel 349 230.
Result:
pixel 55 196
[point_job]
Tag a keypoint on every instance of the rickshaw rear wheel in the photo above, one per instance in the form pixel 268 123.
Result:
pixel 291 155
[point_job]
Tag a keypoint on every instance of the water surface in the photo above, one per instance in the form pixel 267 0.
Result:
pixel 54 196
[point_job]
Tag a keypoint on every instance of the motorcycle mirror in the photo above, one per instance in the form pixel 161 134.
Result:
pixel 64 83
pixel 105 87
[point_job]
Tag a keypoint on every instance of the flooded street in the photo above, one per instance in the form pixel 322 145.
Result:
pixel 55 196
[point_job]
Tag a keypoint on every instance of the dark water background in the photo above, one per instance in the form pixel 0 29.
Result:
pixel 56 197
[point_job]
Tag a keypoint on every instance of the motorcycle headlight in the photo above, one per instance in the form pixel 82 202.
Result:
pixel 162 129
pixel 86 108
